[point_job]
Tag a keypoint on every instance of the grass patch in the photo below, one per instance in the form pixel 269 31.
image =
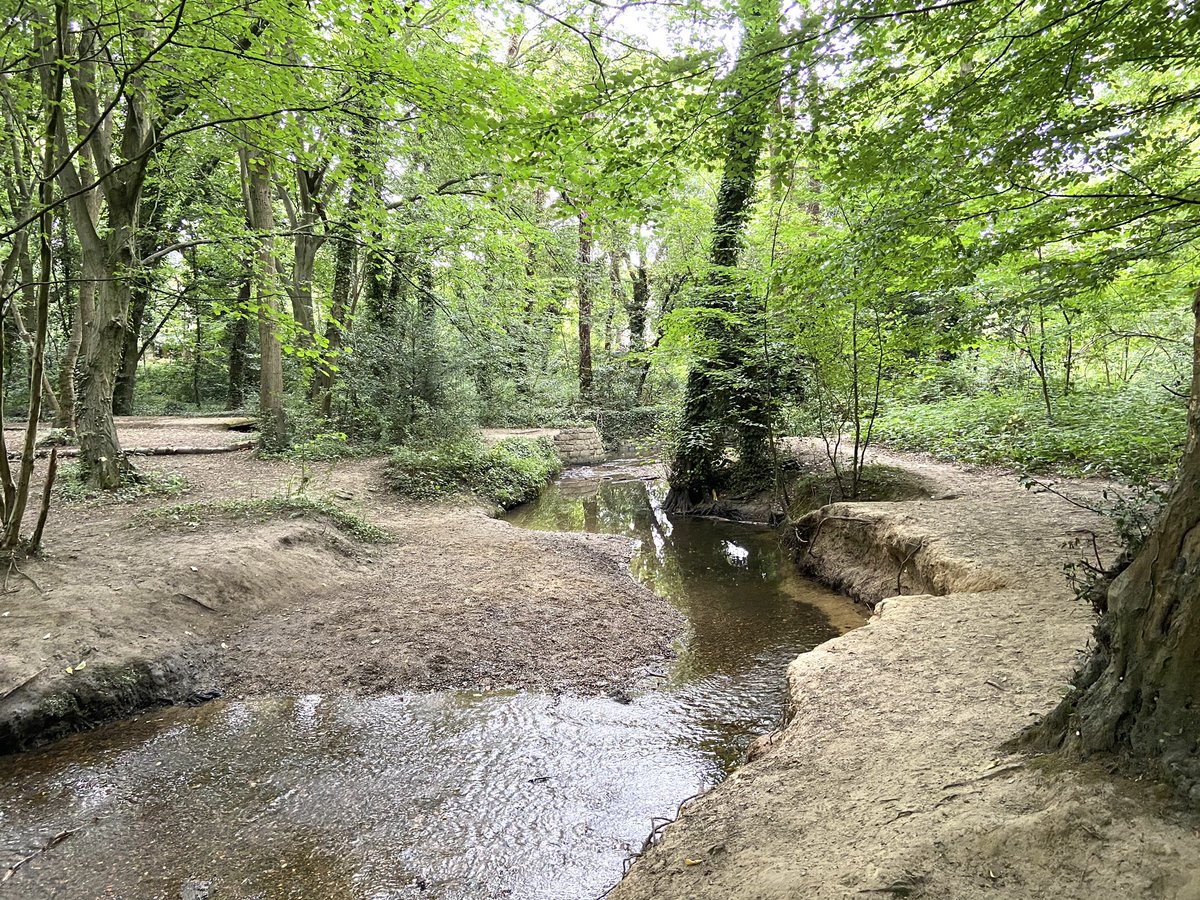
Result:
pixel 320 447
pixel 1128 434
pixel 261 510
pixel 509 473
pixel 70 487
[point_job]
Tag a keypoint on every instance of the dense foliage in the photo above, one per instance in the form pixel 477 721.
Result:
pixel 966 229
pixel 508 473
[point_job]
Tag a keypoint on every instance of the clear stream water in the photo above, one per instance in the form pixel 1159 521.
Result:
pixel 444 795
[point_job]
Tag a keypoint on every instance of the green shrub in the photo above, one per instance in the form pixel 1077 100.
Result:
pixel 1132 433
pixel 509 473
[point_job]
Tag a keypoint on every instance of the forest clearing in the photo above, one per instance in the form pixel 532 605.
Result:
pixel 568 450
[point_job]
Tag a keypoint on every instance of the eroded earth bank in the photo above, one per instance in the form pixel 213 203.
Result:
pixel 891 778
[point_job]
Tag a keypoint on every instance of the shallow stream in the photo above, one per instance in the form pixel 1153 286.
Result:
pixel 446 795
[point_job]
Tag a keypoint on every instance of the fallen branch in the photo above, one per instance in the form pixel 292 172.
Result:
pixel 72 452
pixel 53 842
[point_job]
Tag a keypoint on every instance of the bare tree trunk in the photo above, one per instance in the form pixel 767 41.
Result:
pixel 616 297
pixel 584 288
pixel 131 352
pixel 29 286
pixel 66 372
pixel 345 262
pixel 637 309
pixel 101 458
pixel 272 422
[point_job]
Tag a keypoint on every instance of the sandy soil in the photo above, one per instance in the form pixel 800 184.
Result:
pixel 890 779
pixel 169 611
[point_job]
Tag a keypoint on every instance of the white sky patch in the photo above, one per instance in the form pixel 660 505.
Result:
pixel 735 553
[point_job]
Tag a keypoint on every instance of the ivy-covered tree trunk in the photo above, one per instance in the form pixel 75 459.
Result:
pixel 1139 694
pixel 239 333
pixel 721 394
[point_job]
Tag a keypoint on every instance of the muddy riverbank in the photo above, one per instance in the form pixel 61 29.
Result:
pixel 261 599
pixel 347 792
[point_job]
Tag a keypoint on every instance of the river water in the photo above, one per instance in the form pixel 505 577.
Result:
pixel 443 795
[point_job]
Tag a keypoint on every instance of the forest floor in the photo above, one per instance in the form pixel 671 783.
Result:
pixel 224 588
pixel 892 778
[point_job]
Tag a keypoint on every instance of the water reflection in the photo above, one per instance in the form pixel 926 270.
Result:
pixel 454 796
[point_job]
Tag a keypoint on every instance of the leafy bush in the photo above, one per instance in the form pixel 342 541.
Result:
pixel 509 473
pixel 1134 433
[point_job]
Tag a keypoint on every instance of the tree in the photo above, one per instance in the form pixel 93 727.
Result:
pixel 1072 127
pixel 722 391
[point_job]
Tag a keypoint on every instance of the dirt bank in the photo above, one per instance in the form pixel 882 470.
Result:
pixel 889 780
pixel 267 599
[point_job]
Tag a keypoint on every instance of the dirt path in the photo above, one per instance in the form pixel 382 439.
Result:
pixel 165 610
pixel 890 779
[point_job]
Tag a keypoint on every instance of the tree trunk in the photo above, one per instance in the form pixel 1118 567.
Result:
pixel 131 351
pixel 306 247
pixel 1139 694
pixel 239 332
pixel 345 262
pixel 272 422
pixel 616 297
pixel 29 288
pixel 66 372
pixel 101 458
pixel 638 306
pixel 363 149
pixel 722 393
pixel 109 264
pixel 584 286
pixel 426 361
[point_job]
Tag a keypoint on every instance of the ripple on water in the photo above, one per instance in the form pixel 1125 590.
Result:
pixel 448 795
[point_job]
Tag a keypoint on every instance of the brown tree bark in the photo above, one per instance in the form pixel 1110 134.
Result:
pixel 108 251
pixel 304 215
pixel 1139 694
pixel 66 372
pixel 131 354
pixel 637 309
pixel 584 293
pixel 272 422
pixel 29 289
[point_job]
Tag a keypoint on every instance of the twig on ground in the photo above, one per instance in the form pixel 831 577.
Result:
pixel 50 845
pixel 12 567
pixel 196 600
